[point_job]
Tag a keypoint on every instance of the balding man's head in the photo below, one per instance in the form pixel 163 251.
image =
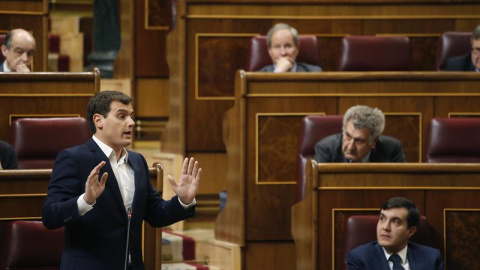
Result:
pixel 18 50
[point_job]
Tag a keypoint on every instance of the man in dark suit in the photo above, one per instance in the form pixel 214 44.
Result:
pixel 360 140
pixel 98 188
pixel 282 42
pixel 8 158
pixel 398 221
pixel 469 61
pixel 18 49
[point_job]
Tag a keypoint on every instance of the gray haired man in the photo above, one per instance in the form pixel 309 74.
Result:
pixel 360 140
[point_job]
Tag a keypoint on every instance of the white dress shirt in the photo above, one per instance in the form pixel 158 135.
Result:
pixel 403 255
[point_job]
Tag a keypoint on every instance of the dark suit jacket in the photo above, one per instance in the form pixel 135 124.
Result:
pixel 97 240
pixel 8 158
pixel 460 63
pixel 301 67
pixel 1 67
pixel 387 149
pixel 371 257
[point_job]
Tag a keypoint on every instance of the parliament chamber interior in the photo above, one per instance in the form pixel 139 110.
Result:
pixel 191 66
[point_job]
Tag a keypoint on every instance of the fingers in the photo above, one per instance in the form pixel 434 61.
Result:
pixel 191 164
pixel 104 179
pixel 171 180
pixel 22 68
pixel 185 166
pixel 95 172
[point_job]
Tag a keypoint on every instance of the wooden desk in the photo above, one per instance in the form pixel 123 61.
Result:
pixel 23 193
pixel 261 131
pixel 447 194
pixel 44 94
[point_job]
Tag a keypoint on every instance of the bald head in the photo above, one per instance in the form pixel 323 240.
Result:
pixel 18 50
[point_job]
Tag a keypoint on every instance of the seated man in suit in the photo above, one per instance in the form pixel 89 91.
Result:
pixel 360 140
pixel 8 158
pixel 18 51
pixel 101 192
pixel 282 42
pixel 469 61
pixel 398 221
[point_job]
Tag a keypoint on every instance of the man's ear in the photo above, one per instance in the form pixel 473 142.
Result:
pixel 374 142
pixel 4 50
pixel 97 120
pixel 411 231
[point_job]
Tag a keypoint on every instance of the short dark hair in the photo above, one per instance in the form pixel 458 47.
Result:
pixel 476 33
pixel 413 216
pixel 100 103
pixel 8 39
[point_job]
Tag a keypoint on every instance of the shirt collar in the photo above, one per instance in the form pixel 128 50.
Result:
pixel 402 253
pixel 108 151
pixel 294 68
pixel 5 67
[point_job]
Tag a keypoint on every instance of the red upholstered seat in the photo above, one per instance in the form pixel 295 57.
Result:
pixel 372 53
pixel 314 128
pixel 360 230
pixel 28 245
pixel 259 57
pixel 453 140
pixel 37 141
pixel 452 44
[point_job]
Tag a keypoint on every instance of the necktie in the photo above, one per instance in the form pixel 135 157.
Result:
pixel 397 262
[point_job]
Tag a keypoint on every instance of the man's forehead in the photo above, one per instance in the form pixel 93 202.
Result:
pixel 360 132
pixel 119 106
pixel 398 212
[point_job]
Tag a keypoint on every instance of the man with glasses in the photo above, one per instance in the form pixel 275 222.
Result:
pixel 469 61
pixel 360 140
pixel 18 49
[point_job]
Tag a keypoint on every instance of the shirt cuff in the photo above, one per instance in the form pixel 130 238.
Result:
pixel 186 206
pixel 83 206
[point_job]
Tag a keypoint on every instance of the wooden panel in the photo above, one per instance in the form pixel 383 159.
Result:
pixel 279 255
pixel 458 238
pixel 153 97
pixel 44 94
pixel 446 194
pixel 150 44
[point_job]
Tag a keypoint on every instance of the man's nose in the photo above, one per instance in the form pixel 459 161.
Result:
pixel 283 51
pixel 131 122
pixel 24 57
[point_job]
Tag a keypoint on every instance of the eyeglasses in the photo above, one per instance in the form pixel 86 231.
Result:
pixel 475 51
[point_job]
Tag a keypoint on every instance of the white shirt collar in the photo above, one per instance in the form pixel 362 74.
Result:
pixel 402 253
pixel 108 151
pixel 5 67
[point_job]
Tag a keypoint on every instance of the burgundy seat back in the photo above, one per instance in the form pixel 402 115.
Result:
pixel 2 40
pixel 259 57
pixel 360 230
pixel 453 140
pixel 452 44
pixel 372 53
pixel 28 245
pixel 313 129
pixel 37 141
